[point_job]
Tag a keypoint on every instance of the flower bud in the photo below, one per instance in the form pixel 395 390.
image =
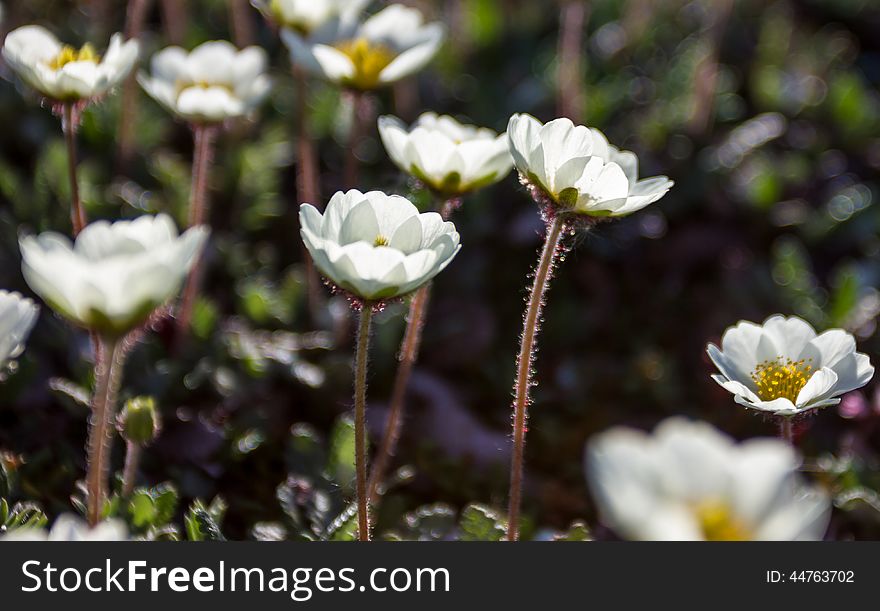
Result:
pixel 139 421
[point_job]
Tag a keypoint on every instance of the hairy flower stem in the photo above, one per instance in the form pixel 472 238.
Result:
pixel 786 430
pixel 69 122
pixel 308 186
pixel 360 119
pixel 129 472
pixel 203 136
pixel 108 376
pixel 409 352
pixel 360 420
pixel 524 365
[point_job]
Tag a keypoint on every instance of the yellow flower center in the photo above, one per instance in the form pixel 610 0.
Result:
pixel 719 524
pixel 781 378
pixel 380 240
pixel 369 60
pixel 68 55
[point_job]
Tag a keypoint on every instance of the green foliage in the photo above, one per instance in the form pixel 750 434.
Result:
pixel 203 523
pixel 21 515
pixel 481 523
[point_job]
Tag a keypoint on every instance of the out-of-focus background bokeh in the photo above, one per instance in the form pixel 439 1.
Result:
pixel 765 113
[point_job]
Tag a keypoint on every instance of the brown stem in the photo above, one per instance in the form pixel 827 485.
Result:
pixel 409 352
pixel 129 472
pixel 360 420
pixel 69 124
pixel 134 23
pixel 360 118
pixel 175 20
pixel 198 215
pixel 524 365
pixel 308 189
pixel 570 93
pixel 241 23
pixel 108 376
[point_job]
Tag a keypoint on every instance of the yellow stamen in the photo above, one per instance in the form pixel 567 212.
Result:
pixel 380 240
pixel 69 55
pixel 719 524
pixel 781 378
pixel 369 60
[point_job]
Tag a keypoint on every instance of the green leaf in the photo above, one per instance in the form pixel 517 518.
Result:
pixel 201 525
pixel 427 523
pixel 344 527
pixel 480 523
pixel 340 463
pixel 577 531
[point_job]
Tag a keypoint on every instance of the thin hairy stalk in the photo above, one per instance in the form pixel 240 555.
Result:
pixel 108 376
pixel 524 366
pixel 786 430
pixel 69 123
pixel 308 188
pixel 241 23
pixel 175 19
pixel 409 352
pixel 134 23
pixel 360 420
pixel 360 119
pixel 129 472
pixel 569 80
pixel 198 215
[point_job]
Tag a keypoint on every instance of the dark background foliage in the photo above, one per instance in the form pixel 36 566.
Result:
pixel 766 114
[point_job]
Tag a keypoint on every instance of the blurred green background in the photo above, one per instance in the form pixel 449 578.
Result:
pixel 765 113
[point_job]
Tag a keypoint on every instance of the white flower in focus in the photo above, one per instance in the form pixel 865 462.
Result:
pixel 69 527
pixel 115 275
pixel 211 84
pixel 63 73
pixel 306 16
pixel 447 156
pixel 687 481
pixel 574 169
pixel 392 44
pixel 17 316
pixel 784 368
pixel 377 246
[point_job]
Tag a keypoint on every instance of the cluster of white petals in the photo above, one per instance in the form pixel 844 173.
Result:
pixel 377 246
pixel 212 83
pixel 576 170
pixel 115 275
pixel 65 74
pixel 306 16
pixel 449 157
pixel 384 48
pixel 687 481
pixel 17 316
pixel 69 527
pixel 785 368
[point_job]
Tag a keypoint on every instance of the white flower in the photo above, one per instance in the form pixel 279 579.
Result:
pixel 573 167
pixel 306 16
pixel 69 527
pixel 392 44
pixel 377 246
pixel 17 315
pixel 115 275
pixel 211 84
pixel 783 367
pixel 63 73
pixel 449 157
pixel 687 481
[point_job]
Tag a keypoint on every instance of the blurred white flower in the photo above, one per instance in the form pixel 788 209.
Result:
pixel 574 169
pixel 115 275
pixel 688 481
pixel 211 84
pixel 392 44
pixel 447 156
pixel 783 367
pixel 17 316
pixel 69 527
pixel 377 246
pixel 63 73
pixel 306 16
